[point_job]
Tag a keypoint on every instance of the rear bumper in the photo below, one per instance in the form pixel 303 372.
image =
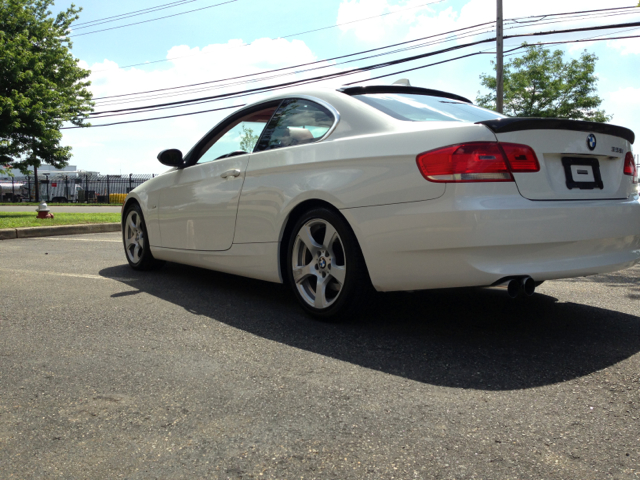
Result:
pixel 476 234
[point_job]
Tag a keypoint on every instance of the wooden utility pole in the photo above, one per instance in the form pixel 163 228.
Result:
pixel 499 67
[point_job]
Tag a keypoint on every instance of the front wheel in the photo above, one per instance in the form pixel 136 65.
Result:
pixel 135 239
pixel 326 268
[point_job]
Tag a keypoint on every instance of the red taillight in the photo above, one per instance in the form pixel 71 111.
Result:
pixel 521 158
pixel 477 162
pixel 630 167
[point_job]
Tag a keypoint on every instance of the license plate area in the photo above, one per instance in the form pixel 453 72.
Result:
pixel 582 173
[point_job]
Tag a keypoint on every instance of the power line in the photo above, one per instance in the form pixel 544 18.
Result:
pixel 285 36
pixel 594 39
pixel 159 118
pixel 294 66
pixel 561 42
pixel 356 70
pixel 122 16
pixel 153 19
pixel 362 20
pixel 107 99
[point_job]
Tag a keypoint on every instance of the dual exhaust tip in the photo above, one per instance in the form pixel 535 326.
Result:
pixel 517 286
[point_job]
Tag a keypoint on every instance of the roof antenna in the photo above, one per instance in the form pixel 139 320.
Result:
pixel 403 81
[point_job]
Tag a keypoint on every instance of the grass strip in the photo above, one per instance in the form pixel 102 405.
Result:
pixel 27 219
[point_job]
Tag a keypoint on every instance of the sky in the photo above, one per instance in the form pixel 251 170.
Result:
pixel 241 37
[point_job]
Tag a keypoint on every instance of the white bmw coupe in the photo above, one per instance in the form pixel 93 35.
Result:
pixel 392 187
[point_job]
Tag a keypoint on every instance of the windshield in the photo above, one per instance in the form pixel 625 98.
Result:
pixel 425 108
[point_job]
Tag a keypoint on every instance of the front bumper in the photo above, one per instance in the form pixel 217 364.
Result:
pixel 476 234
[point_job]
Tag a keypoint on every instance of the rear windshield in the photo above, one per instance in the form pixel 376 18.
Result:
pixel 425 108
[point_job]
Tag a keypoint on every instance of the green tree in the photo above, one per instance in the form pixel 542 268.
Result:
pixel 42 85
pixel 248 139
pixel 541 84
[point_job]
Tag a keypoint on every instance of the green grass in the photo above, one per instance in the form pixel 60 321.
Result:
pixel 35 204
pixel 26 219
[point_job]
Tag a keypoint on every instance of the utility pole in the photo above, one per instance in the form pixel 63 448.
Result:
pixel 499 67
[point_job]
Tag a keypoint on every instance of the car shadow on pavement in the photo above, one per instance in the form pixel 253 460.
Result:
pixel 471 338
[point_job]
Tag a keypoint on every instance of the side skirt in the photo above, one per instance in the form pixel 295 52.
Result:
pixel 253 260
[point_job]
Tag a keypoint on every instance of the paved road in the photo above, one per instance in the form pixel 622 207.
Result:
pixel 184 373
pixel 54 208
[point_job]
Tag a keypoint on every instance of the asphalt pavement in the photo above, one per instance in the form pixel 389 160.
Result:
pixel 55 209
pixel 185 373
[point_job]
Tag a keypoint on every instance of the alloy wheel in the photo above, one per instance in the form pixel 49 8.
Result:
pixel 134 239
pixel 319 263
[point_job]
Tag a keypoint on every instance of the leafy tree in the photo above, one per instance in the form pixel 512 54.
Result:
pixel 541 84
pixel 41 84
pixel 248 139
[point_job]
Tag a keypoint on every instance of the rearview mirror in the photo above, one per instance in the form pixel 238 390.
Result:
pixel 171 158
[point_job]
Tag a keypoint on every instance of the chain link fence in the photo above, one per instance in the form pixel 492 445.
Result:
pixel 80 188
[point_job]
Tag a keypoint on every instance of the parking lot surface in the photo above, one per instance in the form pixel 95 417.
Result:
pixel 185 373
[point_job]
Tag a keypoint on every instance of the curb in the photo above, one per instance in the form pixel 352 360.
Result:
pixel 32 232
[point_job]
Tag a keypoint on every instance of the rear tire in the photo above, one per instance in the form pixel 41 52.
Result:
pixel 326 268
pixel 136 240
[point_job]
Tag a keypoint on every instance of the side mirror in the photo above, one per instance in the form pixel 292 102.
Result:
pixel 171 158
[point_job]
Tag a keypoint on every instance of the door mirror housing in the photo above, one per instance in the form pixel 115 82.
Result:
pixel 171 158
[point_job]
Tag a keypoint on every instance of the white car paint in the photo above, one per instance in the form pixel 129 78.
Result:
pixel 414 234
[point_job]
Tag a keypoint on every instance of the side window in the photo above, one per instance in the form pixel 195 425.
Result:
pixel 238 137
pixel 296 122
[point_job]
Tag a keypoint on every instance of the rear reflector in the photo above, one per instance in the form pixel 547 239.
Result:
pixel 630 167
pixel 477 162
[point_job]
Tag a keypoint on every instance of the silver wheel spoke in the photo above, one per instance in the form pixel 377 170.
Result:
pixel 300 274
pixel 136 253
pixel 338 273
pixel 321 293
pixel 307 239
pixel 132 226
pixel 329 237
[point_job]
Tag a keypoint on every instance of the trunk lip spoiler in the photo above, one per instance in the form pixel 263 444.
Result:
pixel 516 124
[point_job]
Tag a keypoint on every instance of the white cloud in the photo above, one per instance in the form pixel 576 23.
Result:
pixel 386 16
pixel 628 46
pixel 625 96
pixel 133 147
pixel 410 22
pixel 623 103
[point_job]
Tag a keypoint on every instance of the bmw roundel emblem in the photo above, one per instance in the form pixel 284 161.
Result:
pixel 591 141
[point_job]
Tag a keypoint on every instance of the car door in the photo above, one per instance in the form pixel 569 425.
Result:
pixel 198 206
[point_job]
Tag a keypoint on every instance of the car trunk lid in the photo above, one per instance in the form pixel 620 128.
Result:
pixel 578 160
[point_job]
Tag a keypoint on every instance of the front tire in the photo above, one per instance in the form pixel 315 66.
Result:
pixel 136 240
pixel 326 269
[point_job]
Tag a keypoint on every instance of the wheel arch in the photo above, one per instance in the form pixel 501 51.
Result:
pixel 293 216
pixel 130 200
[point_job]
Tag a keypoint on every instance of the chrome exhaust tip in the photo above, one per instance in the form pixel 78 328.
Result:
pixel 513 288
pixel 528 286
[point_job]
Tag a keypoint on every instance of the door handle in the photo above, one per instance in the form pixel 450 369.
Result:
pixel 231 173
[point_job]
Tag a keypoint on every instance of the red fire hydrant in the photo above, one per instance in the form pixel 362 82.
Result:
pixel 43 211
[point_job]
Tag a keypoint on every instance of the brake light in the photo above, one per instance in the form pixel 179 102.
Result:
pixel 521 158
pixel 630 167
pixel 477 162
